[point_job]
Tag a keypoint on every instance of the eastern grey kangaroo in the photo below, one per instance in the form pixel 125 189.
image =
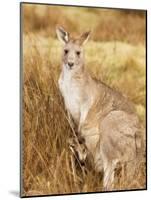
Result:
pixel 105 119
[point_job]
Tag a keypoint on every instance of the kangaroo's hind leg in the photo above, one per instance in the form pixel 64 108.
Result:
pixel 109 175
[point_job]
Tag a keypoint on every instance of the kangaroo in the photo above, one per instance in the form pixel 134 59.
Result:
pixel 104 117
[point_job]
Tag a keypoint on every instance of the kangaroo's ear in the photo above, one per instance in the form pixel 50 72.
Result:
pixel 84 37
pixel 62 35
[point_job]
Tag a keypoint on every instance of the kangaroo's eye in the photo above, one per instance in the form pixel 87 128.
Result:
pixel 78 53
pixel 66 51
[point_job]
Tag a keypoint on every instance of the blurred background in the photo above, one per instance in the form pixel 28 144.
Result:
pixel 106 24
pixel 115 54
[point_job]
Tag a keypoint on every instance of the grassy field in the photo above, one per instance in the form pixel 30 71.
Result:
pixel 115 54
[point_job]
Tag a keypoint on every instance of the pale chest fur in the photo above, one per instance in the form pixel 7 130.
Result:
pixel 72 93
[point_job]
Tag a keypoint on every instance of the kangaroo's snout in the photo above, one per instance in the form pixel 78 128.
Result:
pixel 70 64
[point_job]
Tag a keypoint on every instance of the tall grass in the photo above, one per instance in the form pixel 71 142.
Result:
pixel 49 167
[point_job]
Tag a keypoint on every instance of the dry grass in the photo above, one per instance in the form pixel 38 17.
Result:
pixel 107 25
pixel 48 165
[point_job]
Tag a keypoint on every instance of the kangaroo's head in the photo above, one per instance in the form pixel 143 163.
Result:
pixel 72 55
pixel 79 149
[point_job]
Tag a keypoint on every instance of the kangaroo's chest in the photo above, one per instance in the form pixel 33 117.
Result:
pixel 71 93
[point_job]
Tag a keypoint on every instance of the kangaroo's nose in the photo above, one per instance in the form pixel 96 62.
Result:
pixel 70 64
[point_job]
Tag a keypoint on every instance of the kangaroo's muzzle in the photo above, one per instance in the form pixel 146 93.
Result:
pixel 70 64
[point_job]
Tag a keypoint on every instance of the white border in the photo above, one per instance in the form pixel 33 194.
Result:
pixel 9 97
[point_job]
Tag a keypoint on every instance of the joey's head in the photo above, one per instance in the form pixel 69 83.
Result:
pixel 72 54
pixel 79 149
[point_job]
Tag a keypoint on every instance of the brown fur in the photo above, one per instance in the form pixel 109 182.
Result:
pixel 105 118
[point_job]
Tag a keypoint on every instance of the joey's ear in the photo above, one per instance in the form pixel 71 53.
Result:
pixel 62 35
pixel 84 37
